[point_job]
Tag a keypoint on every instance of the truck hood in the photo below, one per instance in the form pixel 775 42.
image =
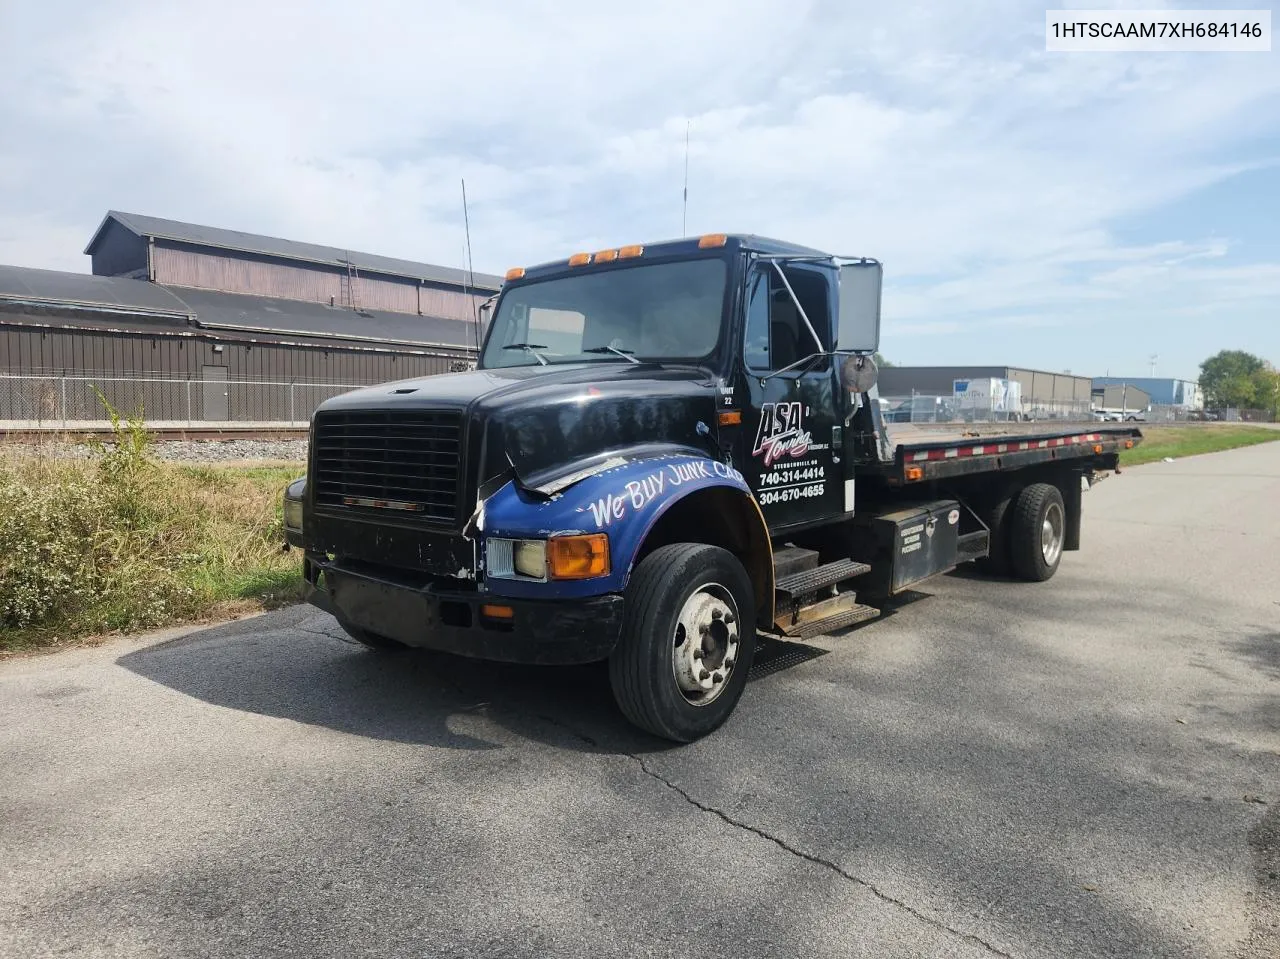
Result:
pixel 543 420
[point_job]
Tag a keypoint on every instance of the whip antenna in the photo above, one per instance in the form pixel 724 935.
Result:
pixel 471 276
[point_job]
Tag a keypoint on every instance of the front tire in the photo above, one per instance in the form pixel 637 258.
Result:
pixel 688 640
pixel 1037 531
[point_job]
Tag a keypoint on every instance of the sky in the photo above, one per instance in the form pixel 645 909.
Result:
pixel 1063 211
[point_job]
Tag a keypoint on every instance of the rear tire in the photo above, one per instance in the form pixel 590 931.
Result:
pixel 1037 531
pixel 996 562
pixel 688 640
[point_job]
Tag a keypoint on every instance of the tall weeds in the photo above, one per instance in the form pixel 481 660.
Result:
pixel 121 541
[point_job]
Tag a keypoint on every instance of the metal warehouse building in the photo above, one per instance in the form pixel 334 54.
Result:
pixel 171 301
pixel 1121 396
pixel 1162 390
pixel 1043 393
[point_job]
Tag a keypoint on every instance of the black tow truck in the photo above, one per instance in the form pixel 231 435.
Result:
pixel 665 451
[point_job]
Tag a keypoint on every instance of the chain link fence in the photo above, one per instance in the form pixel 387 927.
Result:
pixel 71 402
pixel 933 408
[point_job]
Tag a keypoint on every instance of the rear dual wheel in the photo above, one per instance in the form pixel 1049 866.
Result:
pixel 1037 521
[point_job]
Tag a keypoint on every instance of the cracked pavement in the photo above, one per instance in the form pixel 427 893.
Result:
pixel 1086 767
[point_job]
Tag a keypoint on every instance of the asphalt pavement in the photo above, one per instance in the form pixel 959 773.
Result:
pixel 1084 767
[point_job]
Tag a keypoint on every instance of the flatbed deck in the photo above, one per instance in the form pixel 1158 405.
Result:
pixel 921 454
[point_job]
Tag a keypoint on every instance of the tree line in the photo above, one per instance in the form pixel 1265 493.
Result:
pixel 1234 379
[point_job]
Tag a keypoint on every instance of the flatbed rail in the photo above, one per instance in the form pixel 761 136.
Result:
pixel 924 461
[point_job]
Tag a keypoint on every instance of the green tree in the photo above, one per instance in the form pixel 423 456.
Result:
pixel 881 362
pixel 1228 379
pixel 1266 390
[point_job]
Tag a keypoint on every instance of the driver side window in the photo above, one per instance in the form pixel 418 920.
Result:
pixel 776 335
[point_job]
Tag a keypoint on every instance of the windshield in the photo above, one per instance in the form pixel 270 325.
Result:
pixel 660 311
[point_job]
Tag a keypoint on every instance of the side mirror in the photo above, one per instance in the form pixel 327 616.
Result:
pixel 860 283
pixel 858 373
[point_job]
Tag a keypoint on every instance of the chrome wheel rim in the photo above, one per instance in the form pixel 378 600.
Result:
pixel 704 646
pixel 1051 534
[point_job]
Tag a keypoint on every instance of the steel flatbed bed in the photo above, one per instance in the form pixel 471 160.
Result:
pixel 924 455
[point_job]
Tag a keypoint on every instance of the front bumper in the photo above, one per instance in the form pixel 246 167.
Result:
pixel 430 616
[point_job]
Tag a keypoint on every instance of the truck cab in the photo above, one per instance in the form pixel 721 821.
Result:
pixel 664 451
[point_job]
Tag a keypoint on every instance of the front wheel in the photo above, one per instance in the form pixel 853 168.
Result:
pixel 687 642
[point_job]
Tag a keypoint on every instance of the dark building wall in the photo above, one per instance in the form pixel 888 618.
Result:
pixel 188 375
pixel 119 252
pixel 230 271
pixel 32 350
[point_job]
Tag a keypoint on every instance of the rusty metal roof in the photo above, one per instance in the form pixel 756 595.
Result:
pixel 211 236
pixel 152 306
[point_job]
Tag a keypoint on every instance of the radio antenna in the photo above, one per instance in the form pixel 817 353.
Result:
pixel 684 213
pixel 471 276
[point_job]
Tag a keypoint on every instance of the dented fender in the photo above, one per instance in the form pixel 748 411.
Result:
pixel 623 500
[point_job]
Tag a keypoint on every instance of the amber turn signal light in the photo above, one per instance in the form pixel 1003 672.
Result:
pixel 914 473
pixel 578 557
pixel 1128 444
pixel 730 417
pixel 494 611
pixel 1097 447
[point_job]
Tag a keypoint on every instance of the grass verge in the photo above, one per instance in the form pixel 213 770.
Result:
pixel 1159 442
pixel 122 542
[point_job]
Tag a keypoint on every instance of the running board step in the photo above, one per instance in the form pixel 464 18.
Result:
pixel 828 616
pixel 820 577
pixel 792 559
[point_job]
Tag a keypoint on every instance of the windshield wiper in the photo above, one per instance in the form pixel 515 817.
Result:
pixel 625 354
pixel 530 348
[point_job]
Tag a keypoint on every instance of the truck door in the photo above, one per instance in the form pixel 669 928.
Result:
pixel 789 460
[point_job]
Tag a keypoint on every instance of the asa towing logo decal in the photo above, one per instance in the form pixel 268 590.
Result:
pixel 781 433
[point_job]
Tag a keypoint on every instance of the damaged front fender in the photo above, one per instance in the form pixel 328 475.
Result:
pixel 623 501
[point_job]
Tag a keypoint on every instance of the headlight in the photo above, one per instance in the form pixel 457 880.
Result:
pixel 515 558
pixel 563 557
pixel 293 513
pixel 293 494
pixel 531 558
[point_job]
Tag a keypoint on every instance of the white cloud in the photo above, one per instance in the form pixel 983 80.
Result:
pixel 988 175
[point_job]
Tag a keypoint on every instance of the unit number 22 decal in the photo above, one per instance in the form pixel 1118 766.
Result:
pixel 781 433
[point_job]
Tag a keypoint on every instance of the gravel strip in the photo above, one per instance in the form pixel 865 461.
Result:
pixel 185 451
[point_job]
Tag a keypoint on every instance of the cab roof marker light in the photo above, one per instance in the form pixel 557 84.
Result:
pixel 606 256
pixel 626 252
pixel 580 259
pixel 712 239
pixel 515 273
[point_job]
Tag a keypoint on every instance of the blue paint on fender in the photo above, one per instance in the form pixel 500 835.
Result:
pixel 624 502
